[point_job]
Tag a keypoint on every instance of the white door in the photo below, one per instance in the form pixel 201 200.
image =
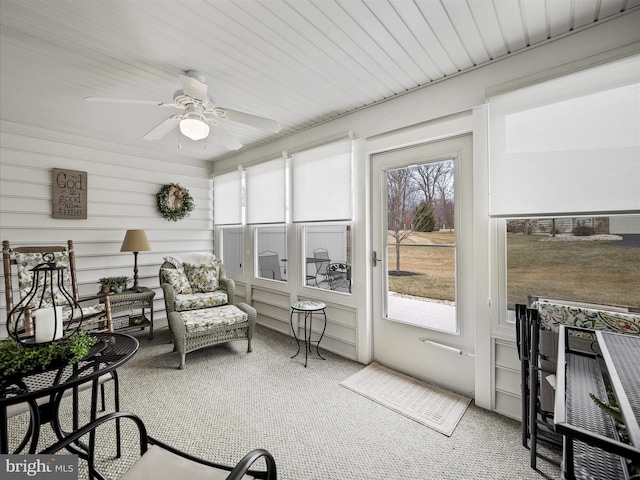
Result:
pixel 422 280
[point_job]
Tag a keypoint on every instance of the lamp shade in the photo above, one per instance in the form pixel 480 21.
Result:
pixel 135 241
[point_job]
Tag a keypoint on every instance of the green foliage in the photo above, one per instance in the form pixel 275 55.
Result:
pixel 174 202
pixel 16 358
pixel 424 219
pixel 114 281
pixel 611 407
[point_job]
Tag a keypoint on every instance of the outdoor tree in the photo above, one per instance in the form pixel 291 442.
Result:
pixel 400 201
pixel 435 182
pixel 424 220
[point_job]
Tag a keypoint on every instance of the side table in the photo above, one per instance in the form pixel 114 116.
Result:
pixel 308 307
pixel 141 298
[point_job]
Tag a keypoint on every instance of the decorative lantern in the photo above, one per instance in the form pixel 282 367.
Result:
pixel 48 312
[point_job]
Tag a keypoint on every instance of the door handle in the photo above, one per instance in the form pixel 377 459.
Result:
pixel 374 259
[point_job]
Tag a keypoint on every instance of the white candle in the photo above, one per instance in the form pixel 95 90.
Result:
pixel 48 324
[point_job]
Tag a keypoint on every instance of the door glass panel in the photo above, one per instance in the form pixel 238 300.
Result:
pixel 421 250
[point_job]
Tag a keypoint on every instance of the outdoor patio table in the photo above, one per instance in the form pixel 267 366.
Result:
pixel 112 351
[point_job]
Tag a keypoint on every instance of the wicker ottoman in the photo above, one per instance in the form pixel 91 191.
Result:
pixel 195 329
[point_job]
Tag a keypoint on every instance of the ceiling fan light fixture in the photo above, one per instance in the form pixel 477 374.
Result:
pixel 194 128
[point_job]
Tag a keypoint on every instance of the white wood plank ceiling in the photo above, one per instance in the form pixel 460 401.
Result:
pixel 300 62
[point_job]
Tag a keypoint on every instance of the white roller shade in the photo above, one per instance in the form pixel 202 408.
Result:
pixel 227 199
pixel 266 190
pixel 322 183
pixel 568 146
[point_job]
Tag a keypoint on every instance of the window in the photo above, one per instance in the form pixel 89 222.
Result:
pixel 568 146
pixel 271 252
pixel 321 183
pixel 227 198
pixel 232 239
pixel 327 257
pixel 584 259
pixel 564 162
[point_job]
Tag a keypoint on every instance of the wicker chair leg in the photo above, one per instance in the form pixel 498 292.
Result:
pixel 178 332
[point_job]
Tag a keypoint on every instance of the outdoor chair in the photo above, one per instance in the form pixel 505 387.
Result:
pixel 535 370
pixel 159 461
pixel 18 262
pixel 339 275
pixel 200 305
pixel 537 326
pixel 96 310
pixel 269 266
pixel 321 266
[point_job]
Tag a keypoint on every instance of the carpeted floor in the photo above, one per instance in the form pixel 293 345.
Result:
pixel 227 402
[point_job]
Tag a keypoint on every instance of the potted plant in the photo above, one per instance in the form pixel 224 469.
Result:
pixel 113 284
pixel 15 359
pixel 122 283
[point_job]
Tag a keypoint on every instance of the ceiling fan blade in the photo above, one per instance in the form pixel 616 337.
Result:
pixel 227 139
pixel 193 87
pixel 162 129
pixel 248 119
pixel 126 100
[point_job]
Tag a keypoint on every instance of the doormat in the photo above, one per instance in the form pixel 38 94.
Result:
pixel 427 404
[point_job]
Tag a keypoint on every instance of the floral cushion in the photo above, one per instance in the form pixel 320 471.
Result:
pixel 203 277
pixel 177 279
pixel 175 261
pixel 194 301
pixel 207 318
pixel 27 261
pixel 552 315
pixel 93 309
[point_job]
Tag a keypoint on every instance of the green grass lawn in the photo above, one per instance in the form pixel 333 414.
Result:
pixel 432 269
pixel 589 271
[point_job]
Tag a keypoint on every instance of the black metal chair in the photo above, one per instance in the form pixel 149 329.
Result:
pixel 322 255
pixel 269 266
pixel 339 275
pixel 536 366
pixel 159 461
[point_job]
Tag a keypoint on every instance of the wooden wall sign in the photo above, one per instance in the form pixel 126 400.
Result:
pixel 69 194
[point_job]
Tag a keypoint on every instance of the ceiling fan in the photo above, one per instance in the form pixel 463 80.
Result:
pixel 201 116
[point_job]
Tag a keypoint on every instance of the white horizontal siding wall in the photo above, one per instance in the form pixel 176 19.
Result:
pixel 122 186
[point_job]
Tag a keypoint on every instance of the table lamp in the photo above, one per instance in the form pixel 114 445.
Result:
pixel 135 241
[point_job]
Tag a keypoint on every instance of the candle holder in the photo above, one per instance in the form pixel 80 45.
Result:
pixel 48 312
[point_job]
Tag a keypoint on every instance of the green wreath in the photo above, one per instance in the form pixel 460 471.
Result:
pixel 174 202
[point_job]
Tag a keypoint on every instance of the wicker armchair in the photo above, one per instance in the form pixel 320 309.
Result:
pixel 200 305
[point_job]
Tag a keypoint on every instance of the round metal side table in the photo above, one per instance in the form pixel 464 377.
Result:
pixel 308 308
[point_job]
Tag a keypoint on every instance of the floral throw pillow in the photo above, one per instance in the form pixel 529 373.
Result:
pixel 203 277
pixel 177 279
pixel 176 262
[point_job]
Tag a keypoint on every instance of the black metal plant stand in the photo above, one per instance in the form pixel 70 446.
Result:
pixel 308 308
